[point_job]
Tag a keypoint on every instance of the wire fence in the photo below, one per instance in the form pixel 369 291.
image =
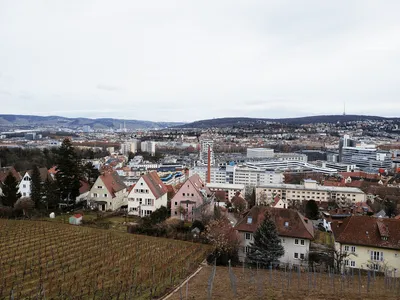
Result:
pixel 292 282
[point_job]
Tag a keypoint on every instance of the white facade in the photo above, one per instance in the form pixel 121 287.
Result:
pixel 142 202
pixel 238 175
pixel 260 153
pixel 228 188
pixel 129 147
pixel 310 190
pixel 106 201
pixel 204 146
pixel 24 187
pixel 296 249
pixel 148 146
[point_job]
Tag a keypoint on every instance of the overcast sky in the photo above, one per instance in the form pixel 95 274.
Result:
pixel 189 60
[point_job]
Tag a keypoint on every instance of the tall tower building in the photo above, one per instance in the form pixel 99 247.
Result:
pixel 204 146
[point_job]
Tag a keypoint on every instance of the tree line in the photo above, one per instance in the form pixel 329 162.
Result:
pixel 47 193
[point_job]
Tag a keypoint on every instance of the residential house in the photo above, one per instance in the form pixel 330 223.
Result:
pixel 370 243
pixel 147 195
pixel 4 173
pixel 108 192
pixel 84 192
pixel 192 197
pixel 24 187
pixel 295 231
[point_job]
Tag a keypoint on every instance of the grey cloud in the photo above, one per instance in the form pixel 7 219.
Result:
pixel 183 61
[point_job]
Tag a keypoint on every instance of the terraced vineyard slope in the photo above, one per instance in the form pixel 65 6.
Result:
pixel 45 260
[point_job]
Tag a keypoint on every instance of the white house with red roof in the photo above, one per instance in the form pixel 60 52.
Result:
pixel 190 198
pixel 148 194
pixel 108 192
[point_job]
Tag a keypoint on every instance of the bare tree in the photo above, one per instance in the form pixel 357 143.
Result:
pixel 339 258
pixel 26 205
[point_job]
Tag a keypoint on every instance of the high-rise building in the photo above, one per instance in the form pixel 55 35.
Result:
pixel 148 146
pixel 345 141
pixel 204 146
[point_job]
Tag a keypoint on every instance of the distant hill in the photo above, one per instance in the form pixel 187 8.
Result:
pixel 102 123
pixel 230 122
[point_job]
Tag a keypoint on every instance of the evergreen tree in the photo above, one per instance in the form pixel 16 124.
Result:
pixel 36 187
pixel 10 191
pixel 266 247
pixel 68 172
pixel 312 210
pixel 90 173
pixel 51 193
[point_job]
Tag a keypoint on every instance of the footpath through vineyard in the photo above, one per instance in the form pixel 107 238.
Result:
pixel 44 260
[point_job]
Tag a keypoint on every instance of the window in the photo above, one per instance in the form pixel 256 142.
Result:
pixel 302 242
pixel 353 263
pixel 375 267
pixel 24 194
pixel 192 195
pixel 301 255
pixel 346 262
pixel 105 195
pixel 346 248
pixel 353 249
pixel 296 241
pixel 248 236
pixel 99 186
pixel 376 256
pixel 286 224
pixel 176 203
pixel 140 200
pixel 249 220
pixel 141 183
pixel 296 255
pixel 24 185
pixel 247 249
pixel 176 213
pixel 95 195
pixel 149 202
pixel 183 194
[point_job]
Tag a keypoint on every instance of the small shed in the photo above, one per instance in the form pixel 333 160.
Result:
pixel 75 219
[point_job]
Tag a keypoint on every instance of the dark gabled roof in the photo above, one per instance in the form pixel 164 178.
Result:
pixel 44 174
pixel 368 231
pixel 155 184
pixel 6 170
pixel 298 226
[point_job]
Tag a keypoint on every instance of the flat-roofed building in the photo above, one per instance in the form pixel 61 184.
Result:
pixel 310 190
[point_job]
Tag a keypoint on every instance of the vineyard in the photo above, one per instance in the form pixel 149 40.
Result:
pixel 45 260
pixel 248 283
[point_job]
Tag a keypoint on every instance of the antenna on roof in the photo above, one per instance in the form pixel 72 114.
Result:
pixel 344 108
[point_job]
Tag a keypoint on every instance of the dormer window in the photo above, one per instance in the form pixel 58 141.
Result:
pixel 286 224
pixel 249 220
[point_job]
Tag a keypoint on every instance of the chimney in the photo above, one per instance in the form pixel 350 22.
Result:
pixel 209 165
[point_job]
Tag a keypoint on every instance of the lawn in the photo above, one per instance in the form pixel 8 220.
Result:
pixel 51 260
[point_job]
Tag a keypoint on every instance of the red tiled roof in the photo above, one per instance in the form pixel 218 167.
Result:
pixel 198 183
pixel 113 182
pixel 297 225
pixel 155 184
pixel 276 200
pixel 360 174
pixel 53 170
pixel 368 231
pixel 84 187
pixel 77 216
pixel 131 188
